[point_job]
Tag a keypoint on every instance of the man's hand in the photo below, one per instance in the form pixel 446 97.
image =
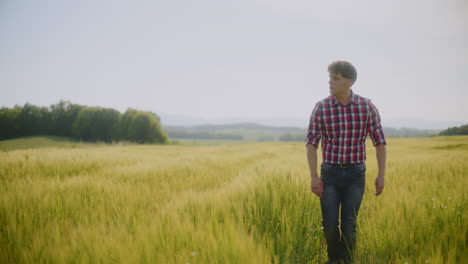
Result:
pixel 317 186
pixel 379 184
pixel 381 153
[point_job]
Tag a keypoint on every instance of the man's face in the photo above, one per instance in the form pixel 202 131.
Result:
pixel 339 84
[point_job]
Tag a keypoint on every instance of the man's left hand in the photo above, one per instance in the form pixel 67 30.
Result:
pixel 379 184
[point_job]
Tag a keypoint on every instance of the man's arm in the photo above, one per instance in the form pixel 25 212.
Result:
pixel 376 133
pixel 316 184
pixel 381 153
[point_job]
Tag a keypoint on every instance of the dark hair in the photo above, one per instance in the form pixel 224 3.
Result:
pixel 346 69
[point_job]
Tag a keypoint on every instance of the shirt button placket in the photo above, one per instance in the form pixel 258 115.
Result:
pixel 343 133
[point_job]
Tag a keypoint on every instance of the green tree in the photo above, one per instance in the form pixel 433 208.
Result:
pixel 9 127
pixel 63 115
pixel 121 132
pixel 95 124
pixel 145 127
pixel 33 120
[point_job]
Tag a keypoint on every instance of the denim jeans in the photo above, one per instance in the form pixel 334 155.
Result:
pixel 343 189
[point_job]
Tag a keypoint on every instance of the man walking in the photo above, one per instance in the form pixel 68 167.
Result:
pixel 342 122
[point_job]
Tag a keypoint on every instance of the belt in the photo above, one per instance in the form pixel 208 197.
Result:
pixel 345 165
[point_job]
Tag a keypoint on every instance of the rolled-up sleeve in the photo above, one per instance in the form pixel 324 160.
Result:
pixel 313 133
pixel 375 129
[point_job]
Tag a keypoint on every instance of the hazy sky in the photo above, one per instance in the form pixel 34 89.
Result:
pixel 253 59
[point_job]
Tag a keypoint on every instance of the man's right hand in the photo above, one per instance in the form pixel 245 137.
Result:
pixel 317 186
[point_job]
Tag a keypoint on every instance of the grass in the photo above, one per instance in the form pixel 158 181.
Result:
pixel 38 142
pixel 229 203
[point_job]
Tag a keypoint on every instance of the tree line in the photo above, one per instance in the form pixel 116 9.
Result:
pixel 461 130
pixel 81 122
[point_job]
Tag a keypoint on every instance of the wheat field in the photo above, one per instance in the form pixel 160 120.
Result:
pixel 226 203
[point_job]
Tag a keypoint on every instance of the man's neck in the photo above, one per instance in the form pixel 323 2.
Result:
pixel 344 98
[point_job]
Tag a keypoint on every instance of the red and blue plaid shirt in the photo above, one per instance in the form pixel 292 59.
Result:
pixel 343 128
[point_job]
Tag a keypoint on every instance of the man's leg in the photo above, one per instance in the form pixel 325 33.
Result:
pixel 330 203
pixel 352 197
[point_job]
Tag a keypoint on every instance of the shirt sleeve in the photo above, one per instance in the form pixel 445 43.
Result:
pixel 313 133
pixel 375 129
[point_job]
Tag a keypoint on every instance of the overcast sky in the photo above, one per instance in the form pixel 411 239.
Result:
pixel 252 59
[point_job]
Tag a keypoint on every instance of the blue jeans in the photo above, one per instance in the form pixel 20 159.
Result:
pixel 342 187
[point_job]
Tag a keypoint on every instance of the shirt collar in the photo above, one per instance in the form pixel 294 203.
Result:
pixel 354 99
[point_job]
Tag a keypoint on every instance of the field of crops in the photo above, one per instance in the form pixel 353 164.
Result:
pixel 227 203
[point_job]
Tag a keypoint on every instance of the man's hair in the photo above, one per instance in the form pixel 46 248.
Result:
pixel 346 69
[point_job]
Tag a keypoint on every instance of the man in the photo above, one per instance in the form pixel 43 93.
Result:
pixel 342 122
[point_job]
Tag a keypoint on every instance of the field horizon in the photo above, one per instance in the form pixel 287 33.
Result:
pixel 250 202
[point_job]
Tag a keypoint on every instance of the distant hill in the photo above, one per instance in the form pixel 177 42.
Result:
pixel 239 131
pixel 409 132
pixel 257 132
pixel 419 123
pixel 413 123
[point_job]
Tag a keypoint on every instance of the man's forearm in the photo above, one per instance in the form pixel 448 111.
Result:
pixel 381 153
pixel 312 160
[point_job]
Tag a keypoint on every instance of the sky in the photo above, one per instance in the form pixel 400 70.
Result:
pixel 235 60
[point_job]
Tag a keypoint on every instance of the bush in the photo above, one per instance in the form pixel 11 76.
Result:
pixel 141 127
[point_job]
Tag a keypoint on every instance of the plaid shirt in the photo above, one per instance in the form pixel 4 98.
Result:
pixel 344 128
